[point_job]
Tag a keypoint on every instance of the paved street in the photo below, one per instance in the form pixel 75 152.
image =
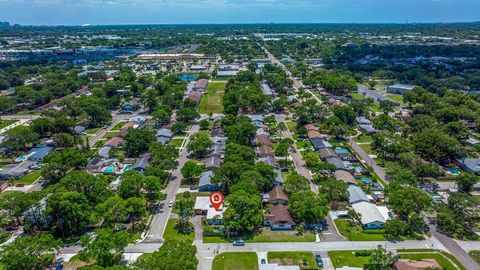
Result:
pixel 369 160
pixel 160 220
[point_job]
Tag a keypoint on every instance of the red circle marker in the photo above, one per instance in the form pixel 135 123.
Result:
pixel 216 199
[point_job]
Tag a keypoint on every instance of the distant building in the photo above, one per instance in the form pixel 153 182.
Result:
pixel 16 171
pixel 201 85
pixel 39 153
pixel 471 165
pixel 400 88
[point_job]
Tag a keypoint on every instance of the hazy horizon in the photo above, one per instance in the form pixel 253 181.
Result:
pixel 138 12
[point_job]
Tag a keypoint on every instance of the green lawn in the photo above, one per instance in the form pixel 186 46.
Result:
pixel 357 96
pixel 363 139
pixel 236 261
pixel 300 258
pixel 172 234
pixel 367 148
pixel 396 98
pixel 176 142
pixel 304 145
pixel 347 258
pixel 356 233
pixel 266 235
pixel 475 254
pixel 29 178
pixel 119 125
pixel 6 123
pixel 212 101
pixel 441 259
pixel 92 131
pixel 290 125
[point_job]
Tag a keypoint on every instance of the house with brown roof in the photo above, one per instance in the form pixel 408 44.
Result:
pixel 195 96
pixel 311 127
pixel 327 153
pixel 344 176
pixel 265 150
pixel 263 139
pixel 278 195
pixel 279 218
pixel 313 134
pixel 115 142
pixel 201 85
pixel 405 264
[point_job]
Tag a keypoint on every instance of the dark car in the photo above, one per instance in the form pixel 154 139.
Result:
pixel 263 261
pixel 239 243
pixel 319 260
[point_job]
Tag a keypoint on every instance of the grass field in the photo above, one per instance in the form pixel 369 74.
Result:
pixel 475 254
pixel 300 258
pixel 29 178
pixel 119 125
pixel 290 125
pixel 266 236
pixel 172 234
pixel 92 131
pixel 363 139
pixel 176 142
pixel 356 233
pixel 212 101
pixel 367 148
pixel 396 98
pixel 347 258
pixel 236 261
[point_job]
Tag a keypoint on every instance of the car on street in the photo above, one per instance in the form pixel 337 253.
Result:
pixel 263 261
pixel 319 261
pixel 239 243
pixel 170 203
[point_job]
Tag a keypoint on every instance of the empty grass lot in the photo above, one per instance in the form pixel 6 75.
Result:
pixel 236 261
pixel 304 259
pixel 266 235
pixel 347 258
pixel 212 101
pixel 172 234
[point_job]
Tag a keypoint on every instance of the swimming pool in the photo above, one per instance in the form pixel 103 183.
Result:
pixel 127 168
pixel 358 169
pixel 453 171
pixel 367 180
pixel 187 77
pixel 109 169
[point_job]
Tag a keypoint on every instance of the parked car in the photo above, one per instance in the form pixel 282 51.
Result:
pixel 319 261
pixel 239 243
pixel 170 203
pixel 263 261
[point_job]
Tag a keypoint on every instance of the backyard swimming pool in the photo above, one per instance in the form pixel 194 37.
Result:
pixel 187 77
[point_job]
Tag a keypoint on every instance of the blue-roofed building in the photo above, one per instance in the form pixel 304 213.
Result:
pixel 141 163
pixel 164 135
pixel 356 195
pixel 128 108
pixel 267 90
pixel 471 165
pixel 278 177
pixel 342 152
pixel 205 183
pixel 39 153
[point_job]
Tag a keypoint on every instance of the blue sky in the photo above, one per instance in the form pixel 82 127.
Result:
pixel 75 12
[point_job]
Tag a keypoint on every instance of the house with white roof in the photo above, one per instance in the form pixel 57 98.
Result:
pixel 371 215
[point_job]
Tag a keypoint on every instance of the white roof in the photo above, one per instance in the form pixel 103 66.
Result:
pixel 212 213
pixel 202 203
pixel 275 266
pixel 370 213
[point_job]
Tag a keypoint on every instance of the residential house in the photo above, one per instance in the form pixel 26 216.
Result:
pixel 265 150
pixel 164 135
pixel 278 195
pixel 104 152
pixel 356 195
pixel 471 165
pixel 311 127
pixel 263 139
pixel 267 90
pixel 269 160
pixel 279 218
pixel 319 143
pixel 16 171
pixel 313 134
pixel 342 153
pixel 400 88
pixel 344 176
pixel 362 120
pixel 80 130
pixel 195 96
pixel 371 215
pixel 205 183
pixel 340 164
pixel 202 204
pixel 368 129
pixel 201 85
pixel 142 163
pixel 37 154
pixel 257 120
pixel 278 177
pixel 115 142
pixel 128 108
pixel 203 207
pixel 212 162
pixel 216 150
pixel 325 153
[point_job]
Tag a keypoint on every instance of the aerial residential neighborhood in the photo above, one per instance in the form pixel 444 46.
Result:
pixel 244 146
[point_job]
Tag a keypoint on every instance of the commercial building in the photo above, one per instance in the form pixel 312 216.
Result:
pixel 400 88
